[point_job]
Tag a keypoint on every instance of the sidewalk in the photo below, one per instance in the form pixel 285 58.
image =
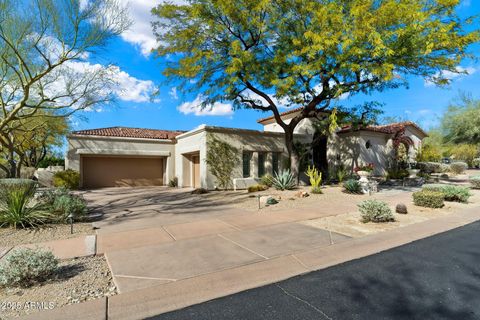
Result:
pixel 278 263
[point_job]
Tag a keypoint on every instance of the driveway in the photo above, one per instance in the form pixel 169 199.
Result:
pixel 434 278
pixel 137 208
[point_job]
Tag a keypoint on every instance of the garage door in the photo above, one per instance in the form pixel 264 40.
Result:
pixel 103 171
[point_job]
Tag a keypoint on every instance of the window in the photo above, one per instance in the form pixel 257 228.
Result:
pixel 247 156
pixel 261 164
pixel 275 157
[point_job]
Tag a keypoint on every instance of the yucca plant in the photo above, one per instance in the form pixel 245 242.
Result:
pixel 284 180
pixel 17 206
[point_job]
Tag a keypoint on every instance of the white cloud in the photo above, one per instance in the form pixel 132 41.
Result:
pixel 129 88
pixel 195 107
pixel 173 93
pixel 451 75
pixel 140 33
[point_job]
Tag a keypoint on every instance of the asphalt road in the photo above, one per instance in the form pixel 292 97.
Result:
pixel 434 278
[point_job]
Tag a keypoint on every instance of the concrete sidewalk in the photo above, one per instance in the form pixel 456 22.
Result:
pixel 255 257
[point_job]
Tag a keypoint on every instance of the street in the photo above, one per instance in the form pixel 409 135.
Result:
pixel 434 278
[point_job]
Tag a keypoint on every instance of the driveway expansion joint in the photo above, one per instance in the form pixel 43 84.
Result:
pixel 243 247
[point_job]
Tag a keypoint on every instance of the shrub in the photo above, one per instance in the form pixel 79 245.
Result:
pixel 458 167
pixel 65 205
pixel 450 192
pixel 25 267
pixel 17 205
pixel 51 161
pixel 284 180
pixel 475 182
pixel 476 163
pixel 465 152
pixel 352 186
pixel 341 174
pixel 221 159
pixel 315 178
pixel 257 187
pixel 375 211
pixel 173 183
pixel 429 167
pixel 266 180
pixel 61 202
pixel 429 199
pixel 69 179
pixel 397 173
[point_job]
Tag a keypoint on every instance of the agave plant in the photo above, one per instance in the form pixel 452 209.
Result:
pixel 17 205
pixel 284 180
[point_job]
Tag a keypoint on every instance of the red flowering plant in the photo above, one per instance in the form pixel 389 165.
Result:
pixel 367 167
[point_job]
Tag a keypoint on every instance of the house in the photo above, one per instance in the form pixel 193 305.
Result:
pixel 122 156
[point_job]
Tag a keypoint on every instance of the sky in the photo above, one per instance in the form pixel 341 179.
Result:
pixel 140 74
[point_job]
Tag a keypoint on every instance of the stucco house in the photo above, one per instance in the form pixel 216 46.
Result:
pixel 122 156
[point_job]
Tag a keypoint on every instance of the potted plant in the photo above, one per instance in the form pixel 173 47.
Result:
pixel 364 171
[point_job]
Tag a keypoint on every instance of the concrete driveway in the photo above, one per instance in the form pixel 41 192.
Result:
pixel 138 208
pixel 158 235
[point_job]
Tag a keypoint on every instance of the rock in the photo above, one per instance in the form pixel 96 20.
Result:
pixel 271 201
pixel 401 208
pixel 302 194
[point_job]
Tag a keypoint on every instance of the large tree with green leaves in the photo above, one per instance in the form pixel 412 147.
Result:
pixel 461 121
pixel 44 47
pixel 269 54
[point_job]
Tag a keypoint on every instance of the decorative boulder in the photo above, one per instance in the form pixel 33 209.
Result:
pixel 401 208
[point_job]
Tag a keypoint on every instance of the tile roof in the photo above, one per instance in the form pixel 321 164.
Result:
pixel 285 113
pixel 390 128
pixel 124 132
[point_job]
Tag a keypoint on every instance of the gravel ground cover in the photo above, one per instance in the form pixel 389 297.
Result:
pixel 12 237
pixel 76 281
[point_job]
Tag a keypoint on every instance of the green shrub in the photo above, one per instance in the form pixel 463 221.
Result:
pixel 430 167
pixel 429 199
pixel 65 205
pixel 475 182
pixel 352 186
pixel 397 173
pixel 341 174
pixel 450 192
pixel 51 161
pixel 173 183
pixel 284 180
pixel 375 211
pixel 257 187
pixel 17 204
pixel 267 180
pixel 69 179
pixel 25 267
pixel 458 167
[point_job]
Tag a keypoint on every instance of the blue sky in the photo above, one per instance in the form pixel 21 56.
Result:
pixel 141 73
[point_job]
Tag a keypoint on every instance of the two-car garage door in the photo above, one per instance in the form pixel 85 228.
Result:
pixel 121 171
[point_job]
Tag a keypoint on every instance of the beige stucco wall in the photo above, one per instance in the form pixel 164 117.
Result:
pixel 305 126
pixel 95 145
pixel 244 140
pixel 352 151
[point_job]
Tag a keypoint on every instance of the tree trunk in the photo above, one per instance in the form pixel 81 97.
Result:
pixel 12 168
pixel 292 155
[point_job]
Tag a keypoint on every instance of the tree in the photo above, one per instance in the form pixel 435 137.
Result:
pixel 461 121
pixel 44 45
pixel 221 159
pixel 30 141
pixel 271 53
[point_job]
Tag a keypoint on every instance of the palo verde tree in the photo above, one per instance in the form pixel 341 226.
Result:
pixel 269 54
pixel 44 45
